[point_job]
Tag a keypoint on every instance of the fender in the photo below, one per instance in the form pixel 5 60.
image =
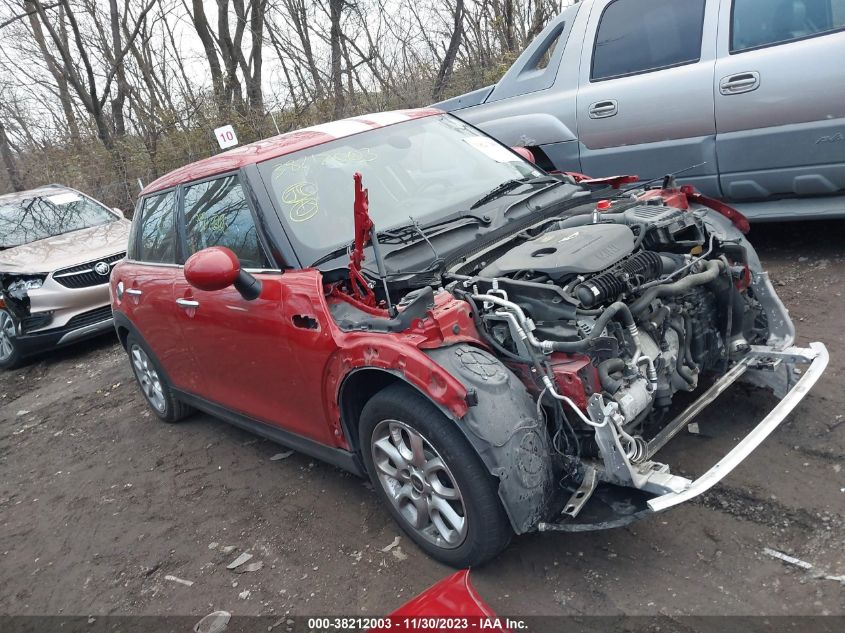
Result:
pixel 395 356
pixel 496 414
pixel 525 130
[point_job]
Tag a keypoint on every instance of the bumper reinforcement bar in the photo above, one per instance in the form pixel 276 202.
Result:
pixel 759 357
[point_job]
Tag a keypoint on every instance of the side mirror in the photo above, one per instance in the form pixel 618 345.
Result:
pixel 216 268
pixel 526 153
pixel 121 213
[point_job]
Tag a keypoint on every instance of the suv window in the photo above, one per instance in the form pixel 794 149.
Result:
pixel 217 214
pixel 758 23
pixel 156 226
pixel 636 36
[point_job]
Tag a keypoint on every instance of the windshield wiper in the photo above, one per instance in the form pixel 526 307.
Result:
pixel 510 185
pixel 406 231
pixel 338 252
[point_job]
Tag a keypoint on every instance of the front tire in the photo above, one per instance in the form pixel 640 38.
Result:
pixel 153 383
pixel 10 357
pixel 431 479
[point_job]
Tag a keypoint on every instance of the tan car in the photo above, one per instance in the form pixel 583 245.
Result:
pixel 57 249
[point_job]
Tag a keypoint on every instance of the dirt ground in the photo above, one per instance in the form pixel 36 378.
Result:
pixel 100 503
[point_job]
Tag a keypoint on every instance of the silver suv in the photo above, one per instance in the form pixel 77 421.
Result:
pixel 747 96
pixel 57 249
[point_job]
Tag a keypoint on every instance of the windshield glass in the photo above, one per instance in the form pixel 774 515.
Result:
pixel 426 169
pixel 31 219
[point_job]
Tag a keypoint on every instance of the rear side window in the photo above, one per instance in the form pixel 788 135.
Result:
pixel 637 36
pixel 217 214
pixel 156 229
pixel 758 23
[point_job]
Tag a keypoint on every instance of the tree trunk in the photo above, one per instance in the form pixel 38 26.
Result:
pixel 9 161
pixel 122 85
pixel 256 26
pixel 204 32
pixel 444 73
pixel 335 12
pixel 297 12
pixel 58 77
pixel 508 26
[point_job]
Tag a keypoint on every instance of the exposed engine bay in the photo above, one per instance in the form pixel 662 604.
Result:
pixel 611 314
pixel 607 314
pixel 649 296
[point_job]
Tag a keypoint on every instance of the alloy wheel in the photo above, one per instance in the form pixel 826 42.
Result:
pixel 7 335
pixel 148 378
pixel 419 484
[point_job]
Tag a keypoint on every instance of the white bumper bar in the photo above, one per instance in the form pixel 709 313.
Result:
pixel 818 357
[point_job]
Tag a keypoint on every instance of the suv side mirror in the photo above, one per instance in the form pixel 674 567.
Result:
pixel 216 268
pixel 121 213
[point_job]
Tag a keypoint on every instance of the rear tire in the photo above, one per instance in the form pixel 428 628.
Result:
pixel 153 383
pixel 10 357
pixel 431 479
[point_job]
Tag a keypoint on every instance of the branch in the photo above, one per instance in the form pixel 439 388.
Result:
pixel 26 14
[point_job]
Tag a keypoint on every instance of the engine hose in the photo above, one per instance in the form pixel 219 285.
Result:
pixel 641 235
pixel 688 352
pixel 711 272
pixel 613 310
pixel 683 345
pixel 643 267
pixel 482 330
pixel 610 384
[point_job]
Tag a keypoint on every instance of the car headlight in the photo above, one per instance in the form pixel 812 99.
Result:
pixel 21 286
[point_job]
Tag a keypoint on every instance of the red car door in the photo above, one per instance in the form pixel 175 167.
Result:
pixel 146 283
pixel 241 347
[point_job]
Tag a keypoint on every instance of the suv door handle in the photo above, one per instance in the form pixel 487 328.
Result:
pixel 134 292
pixel 739 83
pixel 603 109
pixel 187 303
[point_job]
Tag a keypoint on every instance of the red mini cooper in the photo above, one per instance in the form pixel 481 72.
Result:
pixel 496 347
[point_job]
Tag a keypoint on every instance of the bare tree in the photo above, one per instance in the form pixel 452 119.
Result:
pixel 224 52
pixel 335 14
pixel 444 73
pixel 98 93
pixel 53 67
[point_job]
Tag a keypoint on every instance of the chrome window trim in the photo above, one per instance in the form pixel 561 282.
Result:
pixel 157 264
pixel 253 271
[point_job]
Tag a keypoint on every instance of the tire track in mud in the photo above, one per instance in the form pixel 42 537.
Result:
pixel 766 512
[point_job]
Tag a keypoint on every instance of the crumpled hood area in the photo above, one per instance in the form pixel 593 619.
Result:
pixel 65 250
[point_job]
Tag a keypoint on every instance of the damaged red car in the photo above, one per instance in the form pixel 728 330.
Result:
pixel 497 348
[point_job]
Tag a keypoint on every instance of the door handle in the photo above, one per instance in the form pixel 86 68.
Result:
pixel 134 292
pixel 187 303
pixel 739 83
pixel 603 109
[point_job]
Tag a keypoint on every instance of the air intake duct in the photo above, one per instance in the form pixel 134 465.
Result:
pixel 638 269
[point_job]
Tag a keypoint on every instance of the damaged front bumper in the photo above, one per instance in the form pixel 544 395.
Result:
pixel 80 327
pixel 622 491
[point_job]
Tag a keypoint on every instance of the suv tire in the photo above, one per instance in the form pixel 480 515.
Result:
pixel 153 383
pixel 10 357
pixel 431 479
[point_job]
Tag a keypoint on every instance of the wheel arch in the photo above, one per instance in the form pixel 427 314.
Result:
pixel 358 388
pixel 501 426
pixel 124 327
pixel 122 334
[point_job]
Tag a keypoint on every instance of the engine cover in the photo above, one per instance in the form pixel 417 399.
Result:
pixel 577 250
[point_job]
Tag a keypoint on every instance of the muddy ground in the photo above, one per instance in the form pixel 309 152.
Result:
pixel 100 502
